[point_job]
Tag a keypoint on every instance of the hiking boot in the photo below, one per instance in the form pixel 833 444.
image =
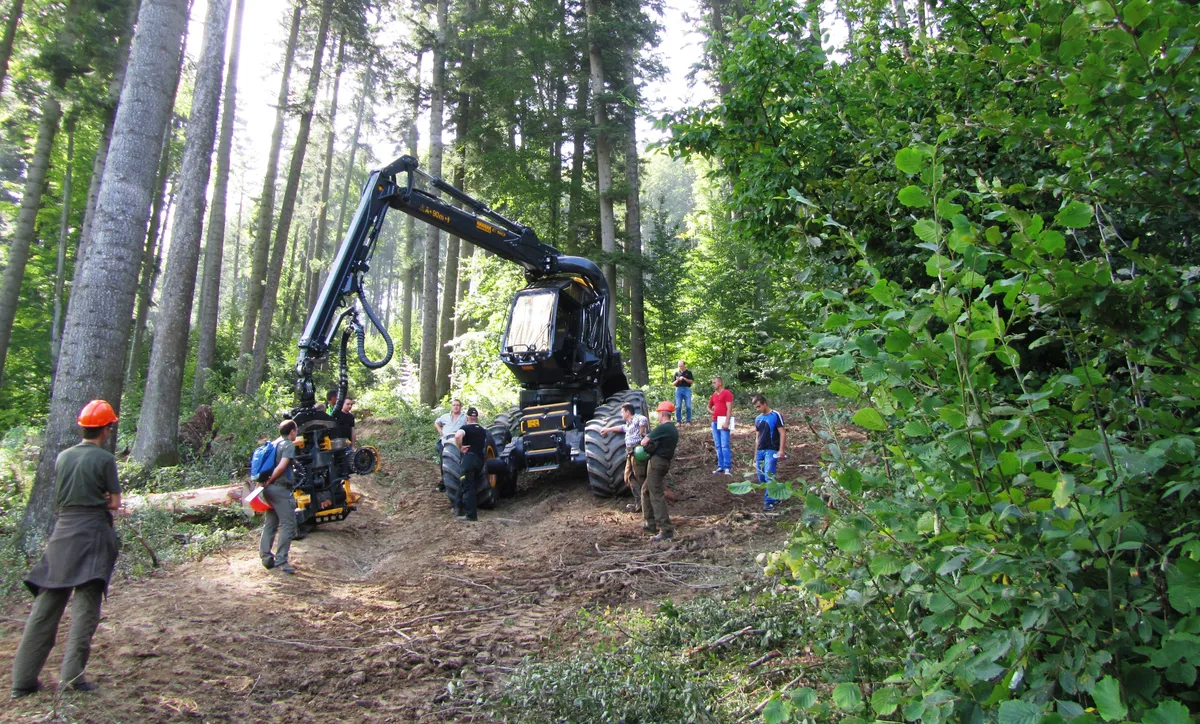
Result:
pixel 268 562
pixel 82 685
pixel 633 508
pixel 22 693
pixel 287 568
pixel 663 535
pixel 468 518
pixel 440 488
pixel 718 471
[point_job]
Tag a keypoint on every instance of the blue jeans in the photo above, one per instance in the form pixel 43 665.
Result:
pixel 765 464
pixel 721 442
pixel 683 396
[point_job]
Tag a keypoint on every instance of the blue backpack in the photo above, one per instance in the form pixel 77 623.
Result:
pixel 263 461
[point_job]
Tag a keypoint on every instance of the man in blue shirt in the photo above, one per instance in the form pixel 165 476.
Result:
pixel 770 445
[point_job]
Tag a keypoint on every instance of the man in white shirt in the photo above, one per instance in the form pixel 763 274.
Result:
pixel 447 425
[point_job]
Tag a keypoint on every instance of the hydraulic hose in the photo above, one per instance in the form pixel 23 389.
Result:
pixel 362 338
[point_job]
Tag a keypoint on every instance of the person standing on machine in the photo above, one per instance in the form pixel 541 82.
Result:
pixel 471 440
pixel 78 560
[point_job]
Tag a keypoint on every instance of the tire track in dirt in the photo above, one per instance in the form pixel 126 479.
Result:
pixel 401 613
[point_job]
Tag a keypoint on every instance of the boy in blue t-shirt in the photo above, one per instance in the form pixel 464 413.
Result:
pixel 770 445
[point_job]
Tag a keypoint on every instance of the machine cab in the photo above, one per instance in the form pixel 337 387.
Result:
pixel 554 332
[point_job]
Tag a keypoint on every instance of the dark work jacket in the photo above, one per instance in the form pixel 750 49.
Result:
pixel 82 548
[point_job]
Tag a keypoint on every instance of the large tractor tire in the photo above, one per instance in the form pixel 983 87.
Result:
pixel 606 453
pixel 485 495
pixel 503 426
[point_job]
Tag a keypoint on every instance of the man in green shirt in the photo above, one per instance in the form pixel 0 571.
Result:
pixel 277 490
pixel 661 444
pixel 79 557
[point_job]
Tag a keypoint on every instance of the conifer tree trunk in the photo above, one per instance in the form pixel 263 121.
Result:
pixel 638 368
pixel 410 270
pixel 60 270
pixel 363 96
pixel 150 256
pixel 214 243
pixel 10 33
pixel 323 212
pixel 266 201
pixel 271 292
pixel 99 314
pixel 157 441
pixel 429 293
pixel 608 230
pixel 31 201
pixel 575 200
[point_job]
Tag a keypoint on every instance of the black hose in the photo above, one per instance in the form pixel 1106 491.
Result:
pixel 343 368
pixel 362 338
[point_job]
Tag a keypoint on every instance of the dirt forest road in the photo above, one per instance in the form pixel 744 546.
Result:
pixel 400 613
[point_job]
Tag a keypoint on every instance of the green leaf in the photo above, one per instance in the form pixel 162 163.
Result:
pixel 1051 241
pixel 1183 585
pixel 775 712
pixel 849 539
pixel 740 488
pixel 843 388
pixel 804 697
pixel 1135 12
pixel 1107 695
pixel 913 196
pixel 869 418
pixel 910 160
pixel 885 701
pixel 1064 490
pixel 1016 711
pixel 1168 712
pixel 843 362
pixel 1075 215
pixel 847 696
pixel 886 565
pixel 926 230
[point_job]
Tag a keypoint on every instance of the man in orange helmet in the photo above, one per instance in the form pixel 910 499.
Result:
pixel 79 557
pixel 661 444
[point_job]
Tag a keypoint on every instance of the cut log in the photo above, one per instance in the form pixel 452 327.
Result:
pixel 194 504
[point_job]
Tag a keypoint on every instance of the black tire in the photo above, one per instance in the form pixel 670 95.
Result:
pixel 485 495
pixel 606 453
pixel 503 425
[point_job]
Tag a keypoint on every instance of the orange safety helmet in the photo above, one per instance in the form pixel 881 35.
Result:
pixel 665 407
pixel 97 413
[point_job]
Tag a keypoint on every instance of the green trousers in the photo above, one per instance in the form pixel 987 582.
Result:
pixel 635 476
pixel 280 518
pixel 654 500
pixel 42 628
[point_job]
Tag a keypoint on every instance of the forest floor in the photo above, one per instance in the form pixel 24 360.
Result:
pixel 400 613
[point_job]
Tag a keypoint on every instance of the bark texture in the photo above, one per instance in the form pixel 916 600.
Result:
pixel 575 216
pixel 10 34
pixel 157 442
pixel 262 337
pixel 608 226
pixel 429 292
pixel 266 201
pixel 31 200
pixel 214 243
pixel 159 211
pixel 410 226
pixel 638 368
pixel 100 311
pixel 60 269
pixel 314 278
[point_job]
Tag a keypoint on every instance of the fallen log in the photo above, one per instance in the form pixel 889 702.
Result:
pixel 197 503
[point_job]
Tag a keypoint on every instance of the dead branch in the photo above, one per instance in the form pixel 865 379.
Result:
pixel 726 639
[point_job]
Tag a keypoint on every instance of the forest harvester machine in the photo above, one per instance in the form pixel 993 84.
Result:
pixel 557 344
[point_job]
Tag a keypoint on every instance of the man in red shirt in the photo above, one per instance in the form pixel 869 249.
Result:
pixel 721 405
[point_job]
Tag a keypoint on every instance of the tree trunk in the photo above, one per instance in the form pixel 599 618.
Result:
pixel 364 94
pixel 608 231
pixel 638 369
pixel 270 293
pixel 410 226
pixel 578 141
pixel 157 442
pixel 214 244
pixel 429 293
pixel 99 314
pixel 10 34
pixel 921 19
pixel 31 201
pixel 110 113
pixel 158 217
pixel 266 202
pixel 323 212
pixel 902 26
pixel 556 144
pixel 236 282
pixel 60 268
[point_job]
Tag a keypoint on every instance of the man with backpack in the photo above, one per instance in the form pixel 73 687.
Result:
pixel 272 467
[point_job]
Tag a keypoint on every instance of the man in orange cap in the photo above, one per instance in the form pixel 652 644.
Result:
pixel 79 557
pixel 661 444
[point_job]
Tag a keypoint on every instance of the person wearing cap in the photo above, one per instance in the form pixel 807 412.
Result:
pixel 79 557
pixel 471 440
pixel 661 444
pixel 635 428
